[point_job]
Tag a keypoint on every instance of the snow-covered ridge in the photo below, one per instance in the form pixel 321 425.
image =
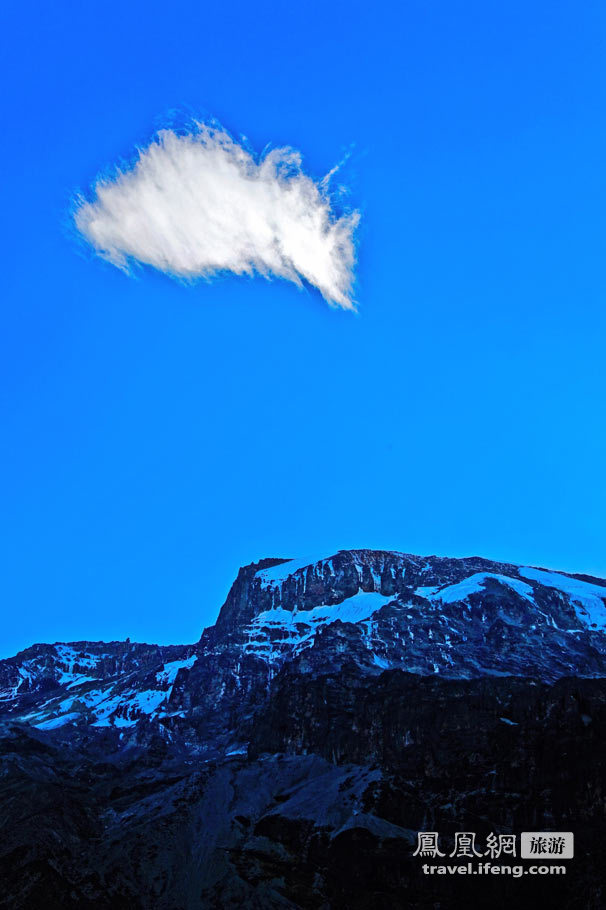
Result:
pixel 115 689
pixel 473 585
pixel 439 635
pixel 588 599
pixel 63 663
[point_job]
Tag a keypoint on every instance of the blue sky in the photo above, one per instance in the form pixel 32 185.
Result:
pixel 155 436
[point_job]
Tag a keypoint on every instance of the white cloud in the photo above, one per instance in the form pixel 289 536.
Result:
pixel 199 204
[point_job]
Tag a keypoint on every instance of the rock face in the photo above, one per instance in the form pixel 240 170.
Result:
pixel 289 758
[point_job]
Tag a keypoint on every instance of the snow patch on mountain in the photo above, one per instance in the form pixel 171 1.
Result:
pixel 474 585
pixel 60 721
pixel 274 630
pixel 587 599
pixel 68 655
pixel 168 673
pixel 112 705
pixel 275 575
pixel 127 708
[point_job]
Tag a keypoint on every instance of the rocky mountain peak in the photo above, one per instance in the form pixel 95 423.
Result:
pixel 235 609
pixel 375 610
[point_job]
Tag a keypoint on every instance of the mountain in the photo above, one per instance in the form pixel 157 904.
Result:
pixel 456 618
pixel 288 758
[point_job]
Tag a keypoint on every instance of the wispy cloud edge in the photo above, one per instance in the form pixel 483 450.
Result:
pixel 198 204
